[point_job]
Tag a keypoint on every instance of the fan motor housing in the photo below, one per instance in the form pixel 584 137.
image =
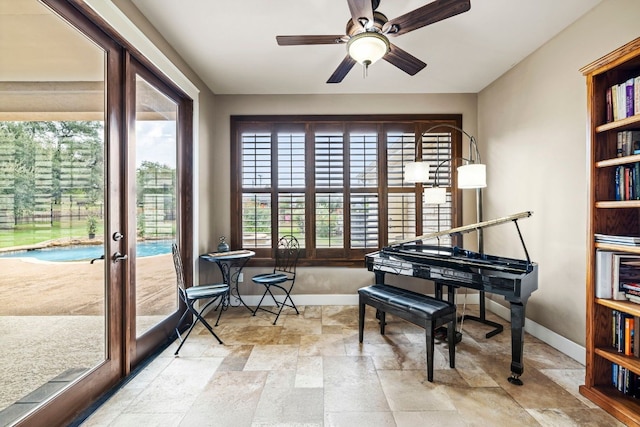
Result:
pixel 354 28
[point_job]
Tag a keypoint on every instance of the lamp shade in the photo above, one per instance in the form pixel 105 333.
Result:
pixel 368 47
pixel 416 172
pixel 473 175
pixel 435 195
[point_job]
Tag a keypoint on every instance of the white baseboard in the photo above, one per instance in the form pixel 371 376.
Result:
pixel 560 343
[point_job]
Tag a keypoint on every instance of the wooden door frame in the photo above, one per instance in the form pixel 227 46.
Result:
pixel 120 359
pixel 139 348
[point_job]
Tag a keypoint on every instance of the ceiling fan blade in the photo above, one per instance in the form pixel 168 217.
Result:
pixel 343 69
pixel 361 9
pixel 425 15
pixel 304 40
pixel 403 60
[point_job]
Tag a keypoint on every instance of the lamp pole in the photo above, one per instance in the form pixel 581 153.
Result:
pixel 474 157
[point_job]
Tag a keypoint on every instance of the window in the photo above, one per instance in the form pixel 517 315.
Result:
pixel 336 183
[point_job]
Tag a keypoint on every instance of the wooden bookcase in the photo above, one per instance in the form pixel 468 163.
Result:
pixel 608 216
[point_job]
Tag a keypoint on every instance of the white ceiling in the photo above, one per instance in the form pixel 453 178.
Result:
pixel 232 46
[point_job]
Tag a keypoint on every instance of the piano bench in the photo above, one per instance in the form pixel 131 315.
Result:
pixel 419 309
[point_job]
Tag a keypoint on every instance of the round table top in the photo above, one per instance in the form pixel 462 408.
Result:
pixel 221 256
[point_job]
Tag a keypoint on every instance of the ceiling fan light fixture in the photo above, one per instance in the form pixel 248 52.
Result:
pixel 368 47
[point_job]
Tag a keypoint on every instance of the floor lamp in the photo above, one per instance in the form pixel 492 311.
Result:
pixel 471 175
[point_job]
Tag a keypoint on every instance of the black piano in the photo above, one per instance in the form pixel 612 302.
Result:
pixel 454 267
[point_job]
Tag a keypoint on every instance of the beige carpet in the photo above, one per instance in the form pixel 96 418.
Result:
pixel 52 317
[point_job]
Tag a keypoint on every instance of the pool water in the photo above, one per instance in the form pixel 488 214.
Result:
pixel 85 253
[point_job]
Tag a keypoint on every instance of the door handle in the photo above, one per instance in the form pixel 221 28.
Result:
pixel 97 259
pixel 119 257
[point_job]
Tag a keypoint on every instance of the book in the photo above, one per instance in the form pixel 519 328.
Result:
pixel 634 141
pixel 627 143
pixel 619 136
pixel 610 104
pixel 628 335
pixel 617 275
pixel 629 100
pixel 636 334
pixel 626 150
pixel 636 180
pixel 618 240
pixel 618 179
pixel 631 288
pixel 616 292
pixel 623 332
pixel 614 102
pixel 603 274
pixel 622 100
pixel 636 95
pixel 626 270
pixel 239 252
pixel 629 269
pixel 627 184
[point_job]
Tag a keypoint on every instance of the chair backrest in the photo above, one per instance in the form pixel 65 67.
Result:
pixel 177 262
pixel 287 254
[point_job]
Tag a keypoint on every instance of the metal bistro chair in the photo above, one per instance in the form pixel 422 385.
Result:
pixel 214 293
pixel 284 271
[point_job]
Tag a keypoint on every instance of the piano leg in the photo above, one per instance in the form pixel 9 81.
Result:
pixel 517 341
pixel 380 281
pixel 442 332
pixel 379 275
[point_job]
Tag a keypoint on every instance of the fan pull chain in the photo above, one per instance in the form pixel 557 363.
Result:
pixel 365 71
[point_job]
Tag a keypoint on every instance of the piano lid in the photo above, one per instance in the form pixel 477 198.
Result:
pixel 465 228
pixel 456 257
pixel 398 244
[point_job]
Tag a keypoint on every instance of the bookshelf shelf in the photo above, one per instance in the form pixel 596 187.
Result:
pixel 618 161
pixel 609 217
pixel 617 204
pixel 613 356
pixel 618 248
pixel 623 124
pixel 626 306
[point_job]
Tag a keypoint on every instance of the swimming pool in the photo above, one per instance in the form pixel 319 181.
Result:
pixel 85 253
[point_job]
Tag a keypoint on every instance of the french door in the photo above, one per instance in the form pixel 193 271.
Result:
pixel 93 148
pixel 155 148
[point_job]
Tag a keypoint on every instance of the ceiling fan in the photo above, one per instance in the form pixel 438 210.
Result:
pixel 368 30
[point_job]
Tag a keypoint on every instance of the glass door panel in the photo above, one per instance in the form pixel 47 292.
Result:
pixel 53 284
pixel 155 201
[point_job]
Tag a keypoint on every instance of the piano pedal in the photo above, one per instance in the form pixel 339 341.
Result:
pixel 515 379
pixel 441 334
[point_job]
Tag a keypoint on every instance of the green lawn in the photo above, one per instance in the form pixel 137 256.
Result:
pixel 30 234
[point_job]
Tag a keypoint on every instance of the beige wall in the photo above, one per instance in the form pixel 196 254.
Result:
pixel 532 129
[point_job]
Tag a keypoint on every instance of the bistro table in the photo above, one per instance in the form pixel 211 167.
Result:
pixel 231 264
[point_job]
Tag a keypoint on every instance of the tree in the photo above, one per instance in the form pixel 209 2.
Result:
pixel 46 156
pixel 156 186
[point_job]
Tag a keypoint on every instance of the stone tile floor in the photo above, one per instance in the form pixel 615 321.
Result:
pixel 310 370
